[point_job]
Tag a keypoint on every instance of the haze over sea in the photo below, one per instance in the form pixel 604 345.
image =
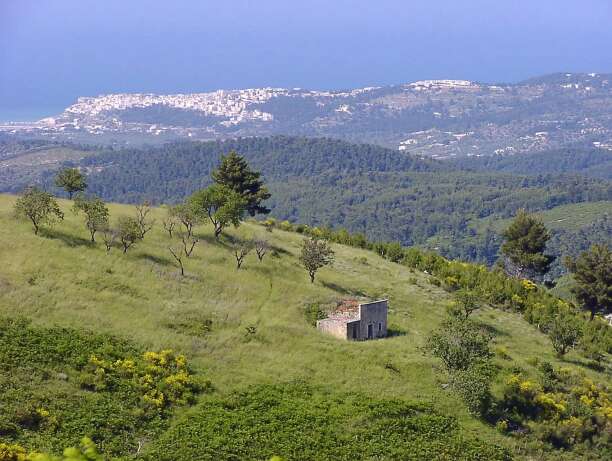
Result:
pixel 52 52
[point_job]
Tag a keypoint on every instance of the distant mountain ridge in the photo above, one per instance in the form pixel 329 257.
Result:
pixel 435 118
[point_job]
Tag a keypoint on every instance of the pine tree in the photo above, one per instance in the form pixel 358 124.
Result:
pixel 523 249
pixel 235 173
pixel 592 272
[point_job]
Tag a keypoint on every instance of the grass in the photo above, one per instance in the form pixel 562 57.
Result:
pixel 246 327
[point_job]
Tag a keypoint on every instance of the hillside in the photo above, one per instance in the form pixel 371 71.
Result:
pixel 384 193
pixel 435 118
pixel 583 160
pixel 237 329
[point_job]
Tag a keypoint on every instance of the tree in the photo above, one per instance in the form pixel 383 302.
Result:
pixel 564 332
pixel 109 237
pixel 261 248
pixel 187 214
pixel 466 302
pixel 95 211
pixel 464 348
pixel 222 205
pixel 189 243
pixel 71 180
pixel 145 224
pixel 171 220
pixel 177 254
pixel 241 250
pixel 315 255
pixel 128 232
pixel 235 173
pixel 592 272
pixel 460 344
pixel 473 385
pixel 524 245
pixel 39 207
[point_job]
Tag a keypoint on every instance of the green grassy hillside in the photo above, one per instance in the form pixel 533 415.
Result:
pixel 237 328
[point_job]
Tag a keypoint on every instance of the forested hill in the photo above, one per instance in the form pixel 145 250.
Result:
pixel 585 160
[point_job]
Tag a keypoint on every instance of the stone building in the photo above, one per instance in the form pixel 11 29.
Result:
pixel 357 321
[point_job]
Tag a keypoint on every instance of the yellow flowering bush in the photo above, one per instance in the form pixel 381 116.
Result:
pixel 570 410
pixel 161 379
pixel 528 285
pixel 10 452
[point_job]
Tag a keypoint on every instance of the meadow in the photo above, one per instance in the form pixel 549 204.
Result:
pixel 242 329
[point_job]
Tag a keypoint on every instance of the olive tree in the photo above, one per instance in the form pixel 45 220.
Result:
pixel 564 332
pixel 95 211
pixel 128 232
pixel 315 255
pixel 221 204
pixel 39 207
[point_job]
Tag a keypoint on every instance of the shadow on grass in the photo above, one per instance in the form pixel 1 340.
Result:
pixel 155 259
pixel 589 364
pixel 342 290
pixel 396 331
pixel 68 239
pixel 493 330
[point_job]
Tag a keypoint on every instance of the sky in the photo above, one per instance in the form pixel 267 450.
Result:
pixel 52 51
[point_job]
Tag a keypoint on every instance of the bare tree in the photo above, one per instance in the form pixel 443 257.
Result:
pixel 241 250
pixel 178 256
pixel 171 220
pixel 109 237
pixel 142 216
pixel 189 243
pixel 261 248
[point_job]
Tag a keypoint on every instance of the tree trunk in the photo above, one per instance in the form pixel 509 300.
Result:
pixel 312 276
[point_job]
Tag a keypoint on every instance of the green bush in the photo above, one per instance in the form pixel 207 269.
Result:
pixel 61 383
pixel 304 423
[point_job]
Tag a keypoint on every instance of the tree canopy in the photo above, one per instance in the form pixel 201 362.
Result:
pixel 95 211
pixel 524 245
pixel 71 180
pixel 592 272
pixel 315 255
pixel 39 207
pixel 221 204
pixel 235 173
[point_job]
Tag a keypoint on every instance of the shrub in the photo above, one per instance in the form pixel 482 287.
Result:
pixel 303 423
pixel 473 386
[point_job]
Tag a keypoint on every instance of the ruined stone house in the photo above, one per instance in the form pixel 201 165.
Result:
pixel 357 321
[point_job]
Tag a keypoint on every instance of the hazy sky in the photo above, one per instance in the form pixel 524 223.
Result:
pixel 52 51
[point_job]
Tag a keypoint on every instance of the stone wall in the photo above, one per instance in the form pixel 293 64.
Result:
pixel 337 328
pixel 374 314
